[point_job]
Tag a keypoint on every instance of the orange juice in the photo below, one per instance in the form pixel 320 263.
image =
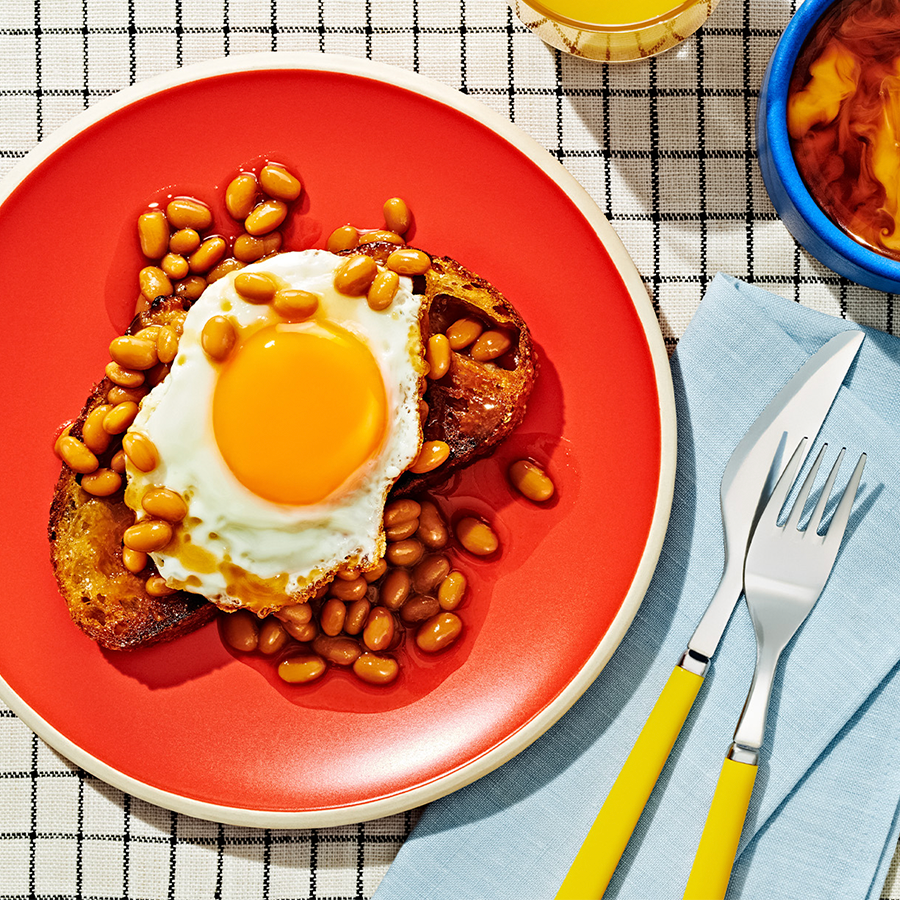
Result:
pixel 615 13
pixel 613 30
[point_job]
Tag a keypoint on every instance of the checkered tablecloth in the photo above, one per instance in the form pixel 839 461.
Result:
pixel 664 146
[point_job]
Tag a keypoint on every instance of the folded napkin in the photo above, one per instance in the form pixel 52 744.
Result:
pixel 823 821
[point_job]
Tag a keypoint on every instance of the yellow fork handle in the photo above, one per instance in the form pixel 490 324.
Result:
pixel 722 832
pixel 599 855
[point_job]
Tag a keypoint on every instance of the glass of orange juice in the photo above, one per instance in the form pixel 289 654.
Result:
pixel 613 30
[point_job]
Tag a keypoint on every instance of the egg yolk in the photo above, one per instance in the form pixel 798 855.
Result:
pixel 297 410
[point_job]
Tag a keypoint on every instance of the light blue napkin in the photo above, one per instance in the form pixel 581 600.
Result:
pixel 823 821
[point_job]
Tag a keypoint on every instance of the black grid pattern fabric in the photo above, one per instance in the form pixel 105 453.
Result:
pixel 665 147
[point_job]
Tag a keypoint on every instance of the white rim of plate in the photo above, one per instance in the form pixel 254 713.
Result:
pixel 535 727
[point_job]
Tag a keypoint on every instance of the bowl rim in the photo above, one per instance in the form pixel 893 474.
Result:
pixel 776 84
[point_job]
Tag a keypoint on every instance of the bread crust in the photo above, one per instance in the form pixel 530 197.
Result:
pixel 109 603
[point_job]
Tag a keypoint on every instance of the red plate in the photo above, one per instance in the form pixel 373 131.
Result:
pixel 189 726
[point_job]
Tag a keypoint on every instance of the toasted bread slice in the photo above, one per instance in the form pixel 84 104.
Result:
pixel 476 404
pixel 109 603
pixel 472 408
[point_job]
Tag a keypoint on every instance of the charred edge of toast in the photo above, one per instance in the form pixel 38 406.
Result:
pixel 475 406
pixel 109 603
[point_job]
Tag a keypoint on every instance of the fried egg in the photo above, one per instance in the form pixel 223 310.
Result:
pixel 284 450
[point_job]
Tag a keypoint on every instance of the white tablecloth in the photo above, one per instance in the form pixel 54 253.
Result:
pixel 664 146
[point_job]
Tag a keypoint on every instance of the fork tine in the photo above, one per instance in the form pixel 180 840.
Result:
pixel 816 518
pixel 842 513
pixel 782 487
pixel 794 518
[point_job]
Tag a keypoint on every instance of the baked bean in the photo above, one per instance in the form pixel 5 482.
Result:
pixel 101 482
pixel 241 630
pixel 186 212
pixel 277 182
pixel 272 636
pixel 357 614
pixel 375 573
pixel 133 352
pixel 148 536
pixel 134 560
pixel 530 480
pixel 476 536
pixel 452 590
pixel 402 531
pixel 117 463
pixel 207 254
pixel 332 616
pixel 240 195
pixel 397 216
pixel 141 451
pixel 298 613
pixel 120 417
pixel 344 238
pixel 248 248
pixel 432 455
pixel 148 334
pixel 153 283
pixel 429 573
pixel 463 332
pixel 223 268
pixel 257 287
pixel 437 355
pixel 342 651
pixel 409 261
pixel 96 438
pixel 190 288
pixel 295 303
pixel 265 217
pixel 349 590
pixel 404 553
pixel 490 345
pixel 118 394
pixel 379 631
pixel 153 233
pixel 374 669
pixel 395 589
pixel 218 337
pixel 301 669
pixel 348 573
pixel 381 293
pixel 399 511
pixel 380 236
pixel 433 531
pixel 162 503
pixel 438 632
pixel 354 275
pixel 418 609
pixel 156 374
pixel 184 241
pixel 156 586
pixel 127 378
pixel 303 633
pixel 174 265
pixel 166 344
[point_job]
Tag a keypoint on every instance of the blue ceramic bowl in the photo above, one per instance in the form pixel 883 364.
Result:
pixel 792 201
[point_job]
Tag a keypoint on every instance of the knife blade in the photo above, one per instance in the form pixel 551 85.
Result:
pixel 797 410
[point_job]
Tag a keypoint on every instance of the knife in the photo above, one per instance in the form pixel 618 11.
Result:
pixel 796 411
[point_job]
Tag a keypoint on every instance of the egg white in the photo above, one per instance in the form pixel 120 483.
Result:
pixel 285 551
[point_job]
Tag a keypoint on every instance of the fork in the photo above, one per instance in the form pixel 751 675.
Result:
pixel 785 570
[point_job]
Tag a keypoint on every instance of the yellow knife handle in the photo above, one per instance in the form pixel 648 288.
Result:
pixel 599 855
pixel 722 832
